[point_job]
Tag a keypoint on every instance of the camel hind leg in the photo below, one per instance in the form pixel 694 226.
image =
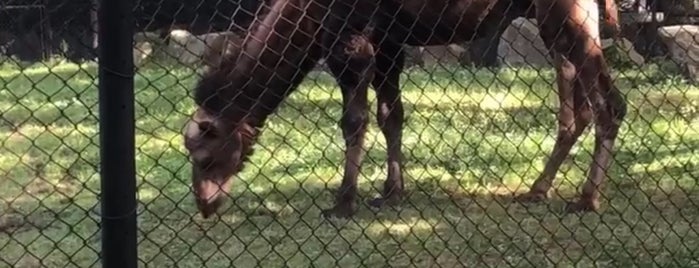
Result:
pixel 390 60
pixel 574 115
pixel 571 29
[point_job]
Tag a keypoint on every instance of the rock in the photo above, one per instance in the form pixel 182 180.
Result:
pixel 220 45
pixel 206 48
pixel 435 55
pixel 141 51
pixel 412 56
pixel 521 45
pixel 626 47
pixel 684 49
pixel 144 47
pixel 185 47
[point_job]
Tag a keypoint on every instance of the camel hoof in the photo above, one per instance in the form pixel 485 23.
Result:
pixel 340 211
pixel 582 206
pixel 531 197
pixel 381 201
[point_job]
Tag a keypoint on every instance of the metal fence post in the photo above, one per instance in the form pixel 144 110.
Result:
pixel 117 135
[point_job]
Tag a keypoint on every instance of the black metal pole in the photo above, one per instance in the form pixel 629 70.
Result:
pixel 116 113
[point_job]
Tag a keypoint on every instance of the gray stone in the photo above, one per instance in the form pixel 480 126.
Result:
pixel 627 47
pixel 145 44
pixel 192 49
pixel 681 41
pixel 521 45
pixel 431 56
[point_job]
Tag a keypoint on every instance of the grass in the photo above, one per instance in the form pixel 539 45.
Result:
pixel 473 137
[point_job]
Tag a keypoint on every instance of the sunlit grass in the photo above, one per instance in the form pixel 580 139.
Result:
pixel 472 138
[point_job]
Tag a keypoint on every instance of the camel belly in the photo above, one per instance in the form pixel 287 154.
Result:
pixel 436 22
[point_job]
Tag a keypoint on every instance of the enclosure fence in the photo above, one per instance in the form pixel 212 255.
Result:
pixel 104 159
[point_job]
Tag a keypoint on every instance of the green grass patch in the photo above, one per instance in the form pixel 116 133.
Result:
pixel 472 138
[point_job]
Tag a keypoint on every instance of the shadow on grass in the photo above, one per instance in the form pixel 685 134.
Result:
pixel 275 220
pixel 282 223
pixel 457 211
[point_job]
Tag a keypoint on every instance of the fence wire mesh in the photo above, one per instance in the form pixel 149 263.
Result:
pixel 480 124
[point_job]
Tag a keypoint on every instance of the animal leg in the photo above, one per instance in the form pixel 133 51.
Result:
pixel 571 28
pixel 610 109
pixel 574 115
pixel 390 60
pixel 608 105
pixel 351 62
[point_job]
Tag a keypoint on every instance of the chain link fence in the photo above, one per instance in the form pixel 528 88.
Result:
pixel 481 121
